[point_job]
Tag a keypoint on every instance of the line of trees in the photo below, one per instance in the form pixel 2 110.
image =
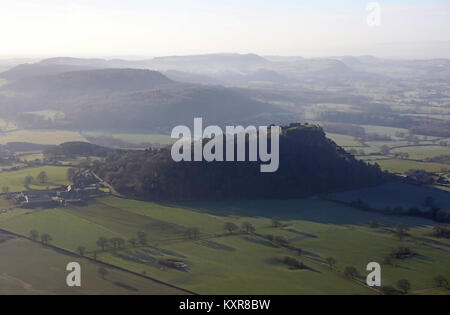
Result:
pixel 116 243
pixel 42 178
pixel 45 238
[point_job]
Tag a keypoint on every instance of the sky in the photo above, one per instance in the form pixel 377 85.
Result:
pixel 146 28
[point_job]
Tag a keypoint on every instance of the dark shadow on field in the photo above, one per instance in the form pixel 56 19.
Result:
pixel 313 210
pixel 215 245
pixel 119 217
pixel 138 257
pixel 166 252
pixel 259 241
pixel 436 247
pixel 428 241
pixel 404 267
pixel 396 193
pixel 276 261
pixel 311 269
pixel 273 261
pixel 311 254
pixel 64 252
pixel 306 235
pixel 125 286
pixel 424 259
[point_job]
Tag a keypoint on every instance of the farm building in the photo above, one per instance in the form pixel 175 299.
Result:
pixel 73 195
pixel 38 202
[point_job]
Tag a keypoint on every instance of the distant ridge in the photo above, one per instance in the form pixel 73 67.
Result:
pixel 93 80
pixel 40 69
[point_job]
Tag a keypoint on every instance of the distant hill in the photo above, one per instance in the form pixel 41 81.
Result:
pixel 79 62
pixel 128 99
pixel 163 108
pixel 197 63
pixel 213 62
pixel 39 69
pixel 24 147
pixel 114 80
pixel 189 77
pixel 230 69
pixel 309 164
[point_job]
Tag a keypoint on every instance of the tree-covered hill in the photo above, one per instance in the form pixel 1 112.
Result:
pixel 309 164
pixel 125 99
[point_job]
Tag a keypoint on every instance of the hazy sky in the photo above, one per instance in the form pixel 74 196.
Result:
pixel 166 27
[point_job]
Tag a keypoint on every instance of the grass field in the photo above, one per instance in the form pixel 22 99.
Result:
pixel 32 157
pixel 402 166
pixel 4 204
pixel 382 130
pixel 48 114
pixel 30 268
pixel 57 176
pixel 51 137
pixel 387 162
pixel 240 263
pixel 423 152
pixel 344 140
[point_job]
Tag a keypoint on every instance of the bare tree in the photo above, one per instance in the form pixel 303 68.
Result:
pixel 351 272
pixel 117 242
pixel 330 262
pixel 248 227
pixel 42 177
pixel 142 238
pixel 230 227
pixel 28 180
pixel 276 222
pixel 401 230
pixel 102 242
pixel 404 285
pixel 441 281
pixel 46 238
pixel 192 233
pixel 81 250
pixel 34 235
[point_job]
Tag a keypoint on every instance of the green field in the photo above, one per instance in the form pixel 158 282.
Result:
pixel 241 263
pixel 30 268
pixel 50 137
pixel 402 166
pixel 417 153
pixel 4 204
pixel 32 157
pixel 57 176
pixel 382 130
pixel 48 114
pixel 423 152
pixel 344 140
